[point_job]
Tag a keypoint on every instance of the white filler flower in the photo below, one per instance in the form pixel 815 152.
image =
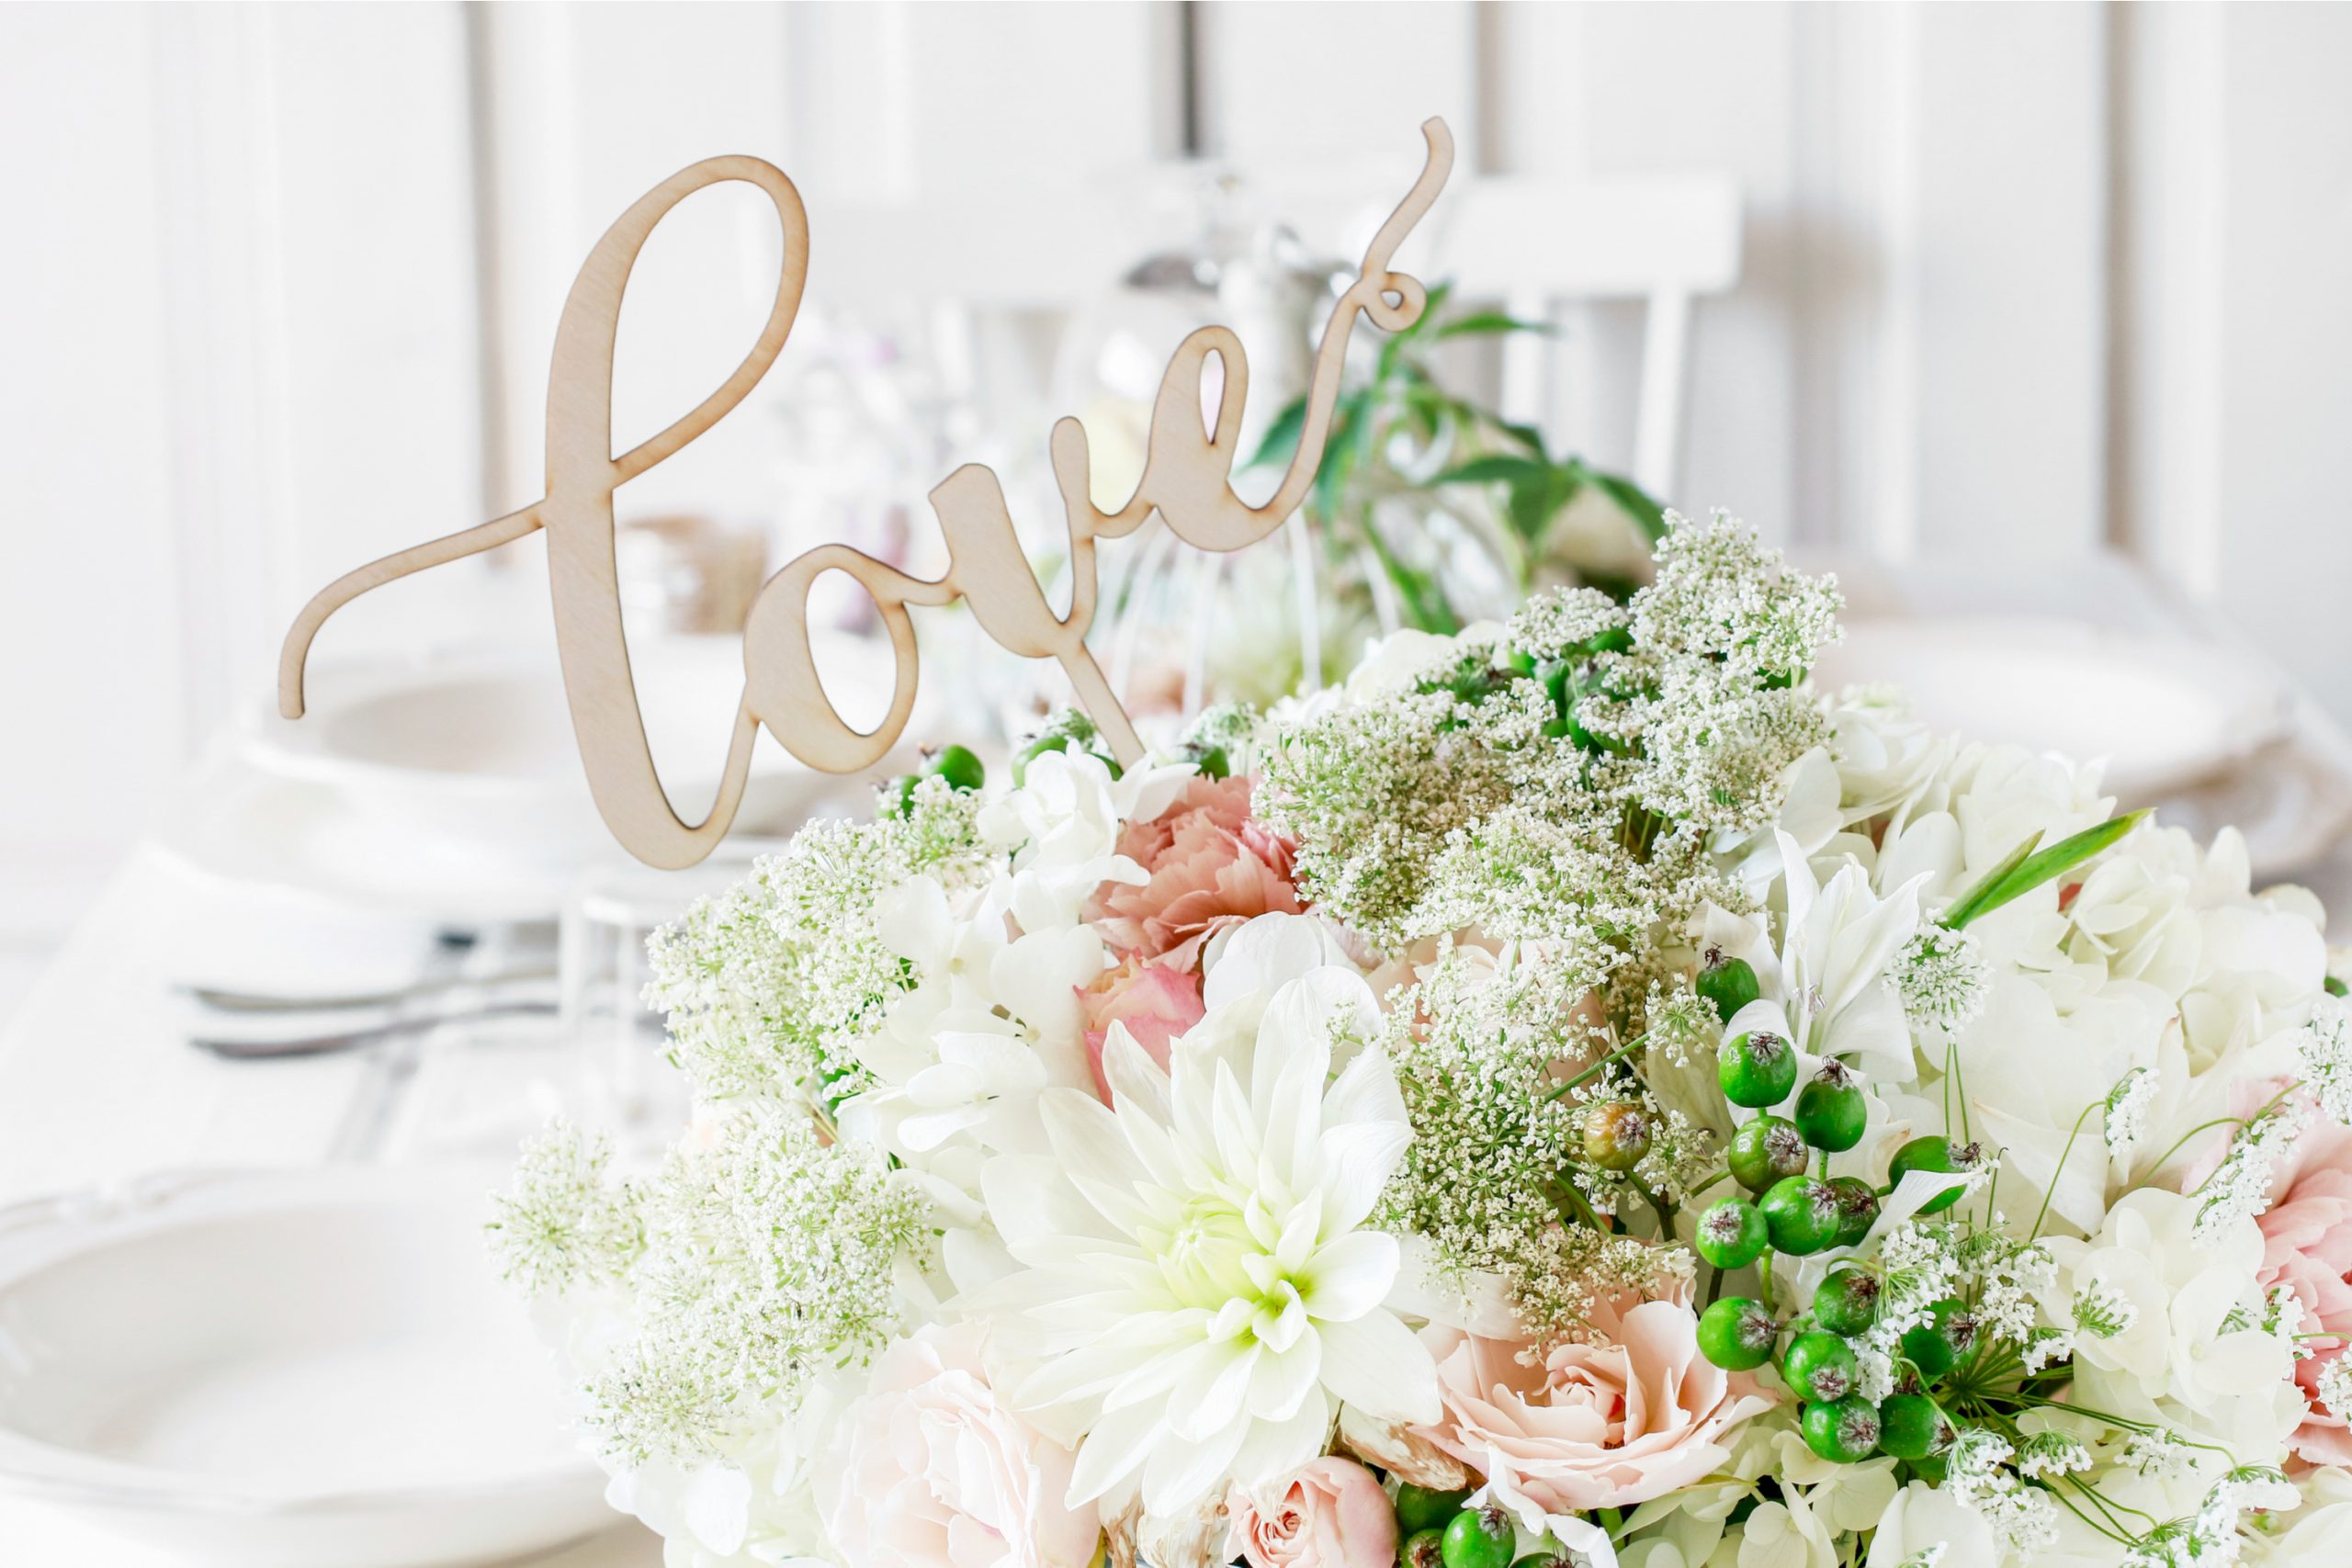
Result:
pixel 1198 1294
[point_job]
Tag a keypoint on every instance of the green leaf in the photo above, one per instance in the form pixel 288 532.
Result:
pixel 1495 467
pixel 1534 504
pixel 1635 502
pixel 1350 430
pixel 2034 869
pixel 1527 436
pixel 1489 321
pixel 1281 440
pixel 1966 908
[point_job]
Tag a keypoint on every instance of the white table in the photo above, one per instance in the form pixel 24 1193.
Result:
pixel 96 1083
pixel 102 1029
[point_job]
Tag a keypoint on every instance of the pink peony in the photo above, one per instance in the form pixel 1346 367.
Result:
pixel 1328 1513
pixel 2307 1247
pixel 1211 865
pixel 930 1471
pixel 1596 1426
pixel 1156 1002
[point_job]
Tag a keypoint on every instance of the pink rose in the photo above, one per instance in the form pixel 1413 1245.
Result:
pixel 2307 1247
pixel 1596 1425
pixel 1328 1513
pixel 1155 1001
pixel 1211 864
pixel 930 1471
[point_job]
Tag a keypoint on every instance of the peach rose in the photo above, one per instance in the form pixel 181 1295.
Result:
pixel 2307 1247
pixel 930 1471
pixel 1595 1426
pixel 1155 1001
pixel 1328 1513
pixel 1211 864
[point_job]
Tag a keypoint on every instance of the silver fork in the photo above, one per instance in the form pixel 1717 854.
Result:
pixel 345 1040
pixel 224 1000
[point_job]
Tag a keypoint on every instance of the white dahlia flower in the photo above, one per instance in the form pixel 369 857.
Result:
pixel 1195 1294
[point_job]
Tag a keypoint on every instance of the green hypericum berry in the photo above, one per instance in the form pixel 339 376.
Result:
pixel 1856 1209
pixel 1912 1425
pixel 959 766
pixel 1945 1340
pixel 1766 1151
pixel 896 798
pixel 1938 1155
pixel 1830 1110
pixel 1738 1334
pixel 1616 1135
pixel 1848 1301
pixel 1729 984
pixel 1756 1068
pixel 1820 1367
pixel 1480 1538
pixel 1843 1431
pixel 1801 1212
pixel 2335 987
pixel 1420 1509
pixel 1732 1234
pixel 1423 1548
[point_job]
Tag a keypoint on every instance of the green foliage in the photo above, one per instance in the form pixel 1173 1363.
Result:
pixel 1403 404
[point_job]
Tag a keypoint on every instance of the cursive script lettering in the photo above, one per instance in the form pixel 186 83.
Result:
pixel 1186 480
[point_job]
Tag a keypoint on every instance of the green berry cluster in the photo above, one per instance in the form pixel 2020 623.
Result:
pixel 1821 1369
pixel 1790 1211
pixel 1437 1531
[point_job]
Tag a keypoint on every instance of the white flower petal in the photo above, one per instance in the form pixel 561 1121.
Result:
pixel 1352 1276
pixel 1374 1363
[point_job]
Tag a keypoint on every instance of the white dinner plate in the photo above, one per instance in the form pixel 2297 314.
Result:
pixel 310 1369
pixel 2162 715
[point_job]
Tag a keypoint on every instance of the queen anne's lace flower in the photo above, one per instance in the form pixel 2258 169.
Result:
pixel 1941 978
pixel 2324 1049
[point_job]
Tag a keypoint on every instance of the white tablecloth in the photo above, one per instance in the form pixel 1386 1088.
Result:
pixel 97 1084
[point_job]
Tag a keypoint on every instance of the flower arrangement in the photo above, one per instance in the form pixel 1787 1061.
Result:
pixel 1573 1094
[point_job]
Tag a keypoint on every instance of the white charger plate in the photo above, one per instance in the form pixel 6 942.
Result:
pixel 310 1369
pixel 2162 715
pixel 476 749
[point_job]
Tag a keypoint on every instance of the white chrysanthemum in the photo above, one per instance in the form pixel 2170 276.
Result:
pixel 1198 1293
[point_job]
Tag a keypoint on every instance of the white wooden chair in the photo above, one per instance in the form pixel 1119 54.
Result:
pixel 1543 246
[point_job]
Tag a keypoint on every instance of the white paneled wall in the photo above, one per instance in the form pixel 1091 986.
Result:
pixel 278 283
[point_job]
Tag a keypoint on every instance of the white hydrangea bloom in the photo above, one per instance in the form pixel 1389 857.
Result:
pixel 2157 1314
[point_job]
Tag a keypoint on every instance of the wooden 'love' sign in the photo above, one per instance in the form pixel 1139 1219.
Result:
pixel 1186 479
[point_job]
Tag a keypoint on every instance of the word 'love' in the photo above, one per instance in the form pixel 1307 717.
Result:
pixel 1186 480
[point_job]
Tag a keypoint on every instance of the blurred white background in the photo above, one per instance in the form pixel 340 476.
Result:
pixel 278 283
